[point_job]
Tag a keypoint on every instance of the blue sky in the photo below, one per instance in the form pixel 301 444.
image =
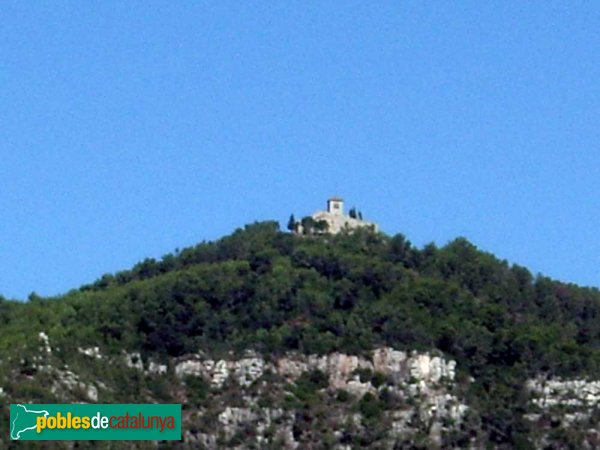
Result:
pixel 128 129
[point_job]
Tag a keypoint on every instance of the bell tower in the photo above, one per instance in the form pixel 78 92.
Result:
pixel 335 205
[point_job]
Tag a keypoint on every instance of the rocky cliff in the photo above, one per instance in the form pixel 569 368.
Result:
pixel 386 397
pixel 419 385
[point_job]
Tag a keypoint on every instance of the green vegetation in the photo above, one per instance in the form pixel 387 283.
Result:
pixel 271 291
pixel 306 388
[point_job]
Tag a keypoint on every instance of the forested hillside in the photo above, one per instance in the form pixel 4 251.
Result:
pixel 274 293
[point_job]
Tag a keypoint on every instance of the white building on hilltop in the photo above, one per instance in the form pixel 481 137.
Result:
pixel 336 220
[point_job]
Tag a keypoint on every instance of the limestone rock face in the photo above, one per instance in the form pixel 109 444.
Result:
pixel 233 418
pixel 45 342
pixel 244 371
pixel 134 360
pixel 290 368
pixel 249 370
pixel 565 404
pixel 553 392
pixel 265 401
pixel 341 368
pixel 431 369
pixel 577 397
pixel 189 367
pixel 92 352
pixel 389 361
pixel 157 369
pixel 419 378
pixel 261 411
pixel 68 382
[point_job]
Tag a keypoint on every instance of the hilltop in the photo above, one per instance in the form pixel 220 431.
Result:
pixel 352 340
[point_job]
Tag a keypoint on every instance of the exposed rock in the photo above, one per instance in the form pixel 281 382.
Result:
pixel 67 380
pixel 575 394
pixel 389 361
pixel 563 404
pixel 93 352
pixel 358 388
pixel 430 370
pixel 339 367
pixel 157 369
pixel 189 367
pixel 420 384
pixel 234 418
pixel 45 342
pixel 134 360
pixel 421 377
pixel 92 393
pixel 249 370
pixel 291 368
pixel 245 371
pixel 220 373
pixel 201 440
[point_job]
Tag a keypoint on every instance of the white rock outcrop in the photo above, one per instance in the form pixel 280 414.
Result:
pixel 577 393
pixel 69 381
pixel 156 369
pixel 134 360
pixel 92 352
pixel 233 419
pixel 422 377
pixel 249 370
pixel 45 342
pixel 191 367
pixel 389 361
pixel 431 369
pixel 341 368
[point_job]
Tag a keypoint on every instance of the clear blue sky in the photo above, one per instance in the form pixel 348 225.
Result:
pixel 128 129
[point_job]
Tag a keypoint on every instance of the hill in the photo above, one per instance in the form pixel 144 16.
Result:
pixel 354 340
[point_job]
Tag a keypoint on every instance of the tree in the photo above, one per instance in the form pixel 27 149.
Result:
pixel 352 213
pixel 291 225
pixel 308 225
pixel 321 226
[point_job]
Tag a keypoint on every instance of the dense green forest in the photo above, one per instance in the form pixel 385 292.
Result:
pixel 264 289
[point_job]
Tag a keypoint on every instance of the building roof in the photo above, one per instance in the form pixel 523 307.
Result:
pixel 336 199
